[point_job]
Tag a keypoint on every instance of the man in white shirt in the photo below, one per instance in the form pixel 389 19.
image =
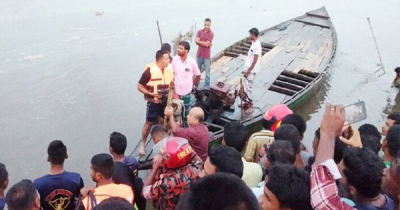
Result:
pixel 252 65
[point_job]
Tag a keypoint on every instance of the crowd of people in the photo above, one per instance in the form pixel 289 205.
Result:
pixel 349 168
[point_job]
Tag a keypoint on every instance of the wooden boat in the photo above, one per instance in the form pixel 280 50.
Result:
pixel 296 54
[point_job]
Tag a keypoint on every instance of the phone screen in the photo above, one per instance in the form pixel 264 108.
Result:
pixel 355 112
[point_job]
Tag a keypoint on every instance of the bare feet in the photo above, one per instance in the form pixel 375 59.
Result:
pixel 142 150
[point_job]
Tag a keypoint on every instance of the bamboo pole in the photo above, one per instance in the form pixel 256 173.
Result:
pixel 159 32
pixel 377 49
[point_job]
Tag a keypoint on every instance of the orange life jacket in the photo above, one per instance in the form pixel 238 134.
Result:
pixel 159 81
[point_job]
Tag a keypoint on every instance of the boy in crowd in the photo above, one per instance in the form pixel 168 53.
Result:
pixel 391 119
pixel 117 149
pixel 218 191
pixel 59 189
pixel 290 133
pixel 23 196
pixel 236 135
pixel 279 152
pixel 286 187
pixel 298 122
pixel 223 159
pixel 102 169
pixel 391 144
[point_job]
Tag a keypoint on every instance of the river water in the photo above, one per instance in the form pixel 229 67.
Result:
pixel 69 69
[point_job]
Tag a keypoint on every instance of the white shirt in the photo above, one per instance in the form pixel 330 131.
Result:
pixel 252 173
pixel 255 49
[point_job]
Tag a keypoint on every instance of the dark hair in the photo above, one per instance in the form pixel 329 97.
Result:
pixel 338 151
pixel 397 70
pixel 104 164
pixel 21 196
pixel 370 141
pixel 218 191
pixel 118 143
pixel 185 44
pixel 160 54
pixel 393 140
pixel 289 133
pixel 370 130
pixel 363 170
pixel 267 124
pixel 226 159
pixel 318 133
pixel 114 203
pixel 3 174
pixel 394 116
pixel 254 31
pixel 166 47
pixel 207 20
pixel 57 152
pixel 158 130
pixel 281 152
pixel 235 135
pixel 296 120
pixel 290 185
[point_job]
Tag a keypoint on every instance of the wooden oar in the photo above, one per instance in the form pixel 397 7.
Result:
pixel 377 49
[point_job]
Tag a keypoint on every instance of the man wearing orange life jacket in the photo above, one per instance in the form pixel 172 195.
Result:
pixel 154 84
pixel 102 169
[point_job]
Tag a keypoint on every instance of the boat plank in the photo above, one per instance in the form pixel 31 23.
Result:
pixel 294 64
pixel 307 45
pixel 318 42
pixel 322 49
pixel 329 48
pixel 221 79
pixel 311 58
pixel 225 69
pixel 268 56
pixel 317 62
pixel 323 64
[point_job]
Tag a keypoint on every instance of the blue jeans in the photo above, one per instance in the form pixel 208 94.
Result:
pixel 206 63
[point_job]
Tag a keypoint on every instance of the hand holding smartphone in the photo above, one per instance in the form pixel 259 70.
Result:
pixel 355 112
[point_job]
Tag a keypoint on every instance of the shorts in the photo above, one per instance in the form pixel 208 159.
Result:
pixel 153 111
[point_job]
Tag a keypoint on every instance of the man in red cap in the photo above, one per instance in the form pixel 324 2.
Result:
pixel 272 119
pixel 173 172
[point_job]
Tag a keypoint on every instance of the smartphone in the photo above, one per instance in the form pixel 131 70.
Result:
pixel 355 112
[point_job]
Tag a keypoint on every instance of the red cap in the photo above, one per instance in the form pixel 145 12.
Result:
pixel 279 111
pixel 177 152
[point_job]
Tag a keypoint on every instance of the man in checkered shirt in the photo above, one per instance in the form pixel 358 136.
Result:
pixel 360 171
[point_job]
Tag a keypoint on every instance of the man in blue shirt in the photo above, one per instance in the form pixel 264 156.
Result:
pixel 117 149
pixel 59 189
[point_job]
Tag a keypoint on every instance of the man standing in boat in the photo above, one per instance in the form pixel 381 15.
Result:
pixel 187 74
pixel 204 41
pixel 251 66
pixel 154 84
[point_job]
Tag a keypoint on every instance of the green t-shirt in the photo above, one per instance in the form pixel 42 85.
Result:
pixel 387 164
